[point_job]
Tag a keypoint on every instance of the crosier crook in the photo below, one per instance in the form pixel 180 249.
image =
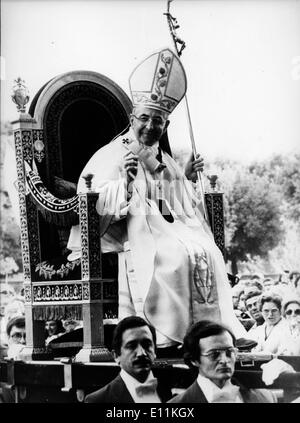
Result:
pixel 173 25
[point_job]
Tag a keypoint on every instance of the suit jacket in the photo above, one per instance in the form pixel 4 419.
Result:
pixel 117 392
pixel 194 394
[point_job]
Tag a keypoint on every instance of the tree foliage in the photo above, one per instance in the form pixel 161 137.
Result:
pixel 253 216
pixel 291 187
pixel 284 173
pixel 261 202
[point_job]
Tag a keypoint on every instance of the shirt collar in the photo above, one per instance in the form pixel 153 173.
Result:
pixel 130 381
pixel 209 388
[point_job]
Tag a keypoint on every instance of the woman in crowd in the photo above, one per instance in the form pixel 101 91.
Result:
pixel 270 335
pixel 291 341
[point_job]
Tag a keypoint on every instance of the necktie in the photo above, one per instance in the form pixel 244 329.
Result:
pixel 228 394
pixel 162 205
pixel 148 387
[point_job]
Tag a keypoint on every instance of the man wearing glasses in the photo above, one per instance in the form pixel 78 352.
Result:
pixel 16 335
pixel 170 270
pixel 210 347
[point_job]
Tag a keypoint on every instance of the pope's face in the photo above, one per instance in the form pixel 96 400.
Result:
pixel 148 124
pixel 137 352
pixel 217 358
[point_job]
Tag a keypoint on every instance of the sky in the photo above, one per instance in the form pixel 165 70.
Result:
pixel 242 60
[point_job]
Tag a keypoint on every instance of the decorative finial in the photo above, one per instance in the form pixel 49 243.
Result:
pixel 20 94
pixel 213 181
pixel 88 180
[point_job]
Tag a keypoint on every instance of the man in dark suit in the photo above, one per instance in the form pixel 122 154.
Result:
pixel 211 348
pixel 134 344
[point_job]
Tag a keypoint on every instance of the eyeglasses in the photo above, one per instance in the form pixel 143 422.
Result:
pixel 18 336
pixel 296 312
pixel 215 355
pixel 273 311
pixel 145 119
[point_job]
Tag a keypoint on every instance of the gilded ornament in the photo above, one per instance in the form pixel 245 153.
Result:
pixel 20 95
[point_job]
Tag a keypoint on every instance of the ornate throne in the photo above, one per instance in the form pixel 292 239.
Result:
pixel 70 118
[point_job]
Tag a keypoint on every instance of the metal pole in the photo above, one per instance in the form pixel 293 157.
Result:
pixel 172 22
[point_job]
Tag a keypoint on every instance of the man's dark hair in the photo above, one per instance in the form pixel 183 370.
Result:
pixel 129 323
pixel 252 294
pixel 18 321
pixel 197 331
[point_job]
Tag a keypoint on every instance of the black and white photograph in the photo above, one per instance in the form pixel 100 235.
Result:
pixel 150 204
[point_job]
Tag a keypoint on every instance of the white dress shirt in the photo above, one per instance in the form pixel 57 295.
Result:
pixel 212 391
pixel 269 343
pixel 131 384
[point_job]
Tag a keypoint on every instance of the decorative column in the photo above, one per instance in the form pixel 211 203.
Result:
pixel 215 209
pixel 29 225
pixel 94 288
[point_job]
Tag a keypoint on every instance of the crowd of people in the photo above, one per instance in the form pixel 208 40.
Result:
pixel 12 323
pixel 269 312
pixel 269 309
pixel 209 348
pixel 171 273
pixel 12 307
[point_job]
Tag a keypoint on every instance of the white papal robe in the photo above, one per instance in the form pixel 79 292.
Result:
pixel 172 274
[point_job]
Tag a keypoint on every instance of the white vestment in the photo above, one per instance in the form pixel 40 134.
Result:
pixel 172 274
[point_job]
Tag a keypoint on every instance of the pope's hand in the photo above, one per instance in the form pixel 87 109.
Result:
pixel 130 165
pixel 193 166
